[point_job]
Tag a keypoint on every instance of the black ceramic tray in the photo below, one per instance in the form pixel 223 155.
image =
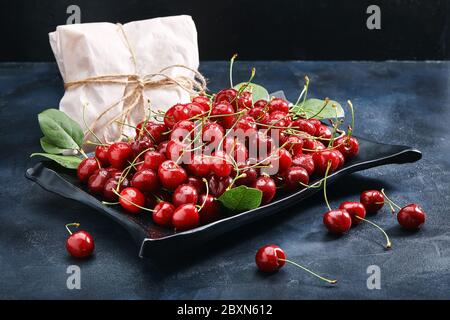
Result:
pixel 153 239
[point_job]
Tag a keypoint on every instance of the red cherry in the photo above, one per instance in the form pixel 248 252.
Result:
pixel 97 181
pixel 218 185
pixel 220 164
pixel 316 123
pixel 185 217
pixel 293 176
pixel 175 149
pixel 87 168
pixel 171 175
pixel 324 132
pixel 246 123
pixel 341 158
pixel 212 132
pixel 268 188
pixel 195 110
pixel 278 104
pixel 183 131
pixel 355 210
pixel 279 119
pixel 202 101
pixel 110 185
pixel 153 159
pixel 145 180
pixel 163 213
pixel 321 160
pixel 337 221
pixel 258 114
pixel 101 153
pixel 260 104
pixel 162 147
pixel 131 199
pixel 372 200
pixel 268 258
pixel 305 161
pixel 226 95
pixel 248 178
pixel 349 147
pixel 245 100
pixel 223 113
pixel 200 166
pixel 184 194
pixel 80 244
pixel 305 126
pixel 210 210
pixel 284 159
pixel 155 131
pixel 311 146
pixel 169 117
pixel 294 145
pixel 411 216
pixel 119 154
pixel 181 112
pixel 197 183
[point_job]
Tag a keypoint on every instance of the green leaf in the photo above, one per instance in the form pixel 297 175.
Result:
pixel 48 147
pixel 312 109
pixel 60 130
pixel 70 162
pixel 258 92
pixel 241 198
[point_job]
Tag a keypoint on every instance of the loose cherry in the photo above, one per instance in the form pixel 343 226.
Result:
pixel 372 200
pixel 132 200
pixel 184 194
pixel 119 154
pixel 185 217
pixel 411 216
pixel 87 168
pixel 171 175
pixel 337 221
pixel 267 185
pixel 163 213
pixel 80 244
pixel 272 258
pixel 356 210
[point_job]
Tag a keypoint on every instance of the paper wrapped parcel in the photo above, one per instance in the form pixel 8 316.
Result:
pixel 140 48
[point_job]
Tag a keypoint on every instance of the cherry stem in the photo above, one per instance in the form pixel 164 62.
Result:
pixel 309 271
pixel 207 193
pixel 350 129
pixel 390 202
pixel 74 224
pixel 231 68
pixel 388 241
pixel 86 125
pixel 83 153
pixel 327 100
pixel 110 203
pixel 325 186
pixel 304 92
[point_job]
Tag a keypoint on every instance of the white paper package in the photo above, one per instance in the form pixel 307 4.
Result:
pixel 141 47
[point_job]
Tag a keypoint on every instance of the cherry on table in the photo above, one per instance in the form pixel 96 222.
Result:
pixel 186 217
pixel 355 210
pixel 87 168
pixel 132 200
pixel 337 221
pixel 411 216
pixel 372 200
pixel 79 244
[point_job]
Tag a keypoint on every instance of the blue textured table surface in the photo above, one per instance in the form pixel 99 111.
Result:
pixel 398 102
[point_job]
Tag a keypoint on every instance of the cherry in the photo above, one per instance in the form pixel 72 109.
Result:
pixel 184 194
pixel 119 154
pixel 162 147
pixel 305 161
pixel 171 175
pixel 247 177
pixel 155 131
pixel 260 104
pixel 258 114
pixel 101 153
pixel 305 126
pixel 145 180
pixel 348 146
pixel 185 217
pixel 294 144
pixel 202 101
pixel 268 258
pixel 141 144
pixel 356 210
pixel 372 200
pixel 411 216
pixel 337 221
pixel 224 114
pixel 245 123
pixel 272 258
pixel 324 132
pixel 323 158
pixel 181 112
pixel 218 185
pixel 267 186
pixel 341 158
pixel 284 159
pixel 79 244
pixel 200 166
pixel 212 132
pixel 197 183
pixel 226 95
pixel 311 146
pixel 210 209
pixel 97 181
pixel 316 123
pixel 163 213
pixel 175 149
pixel 132 200
pixel 153 159
pixel 111 184
pixel 278 104
pixel 183 131
pixel 293 176
pixel 169 117
pixel 245 100
pixel 87 168
pixel 278 119
pixel 220 164
pixel 195 110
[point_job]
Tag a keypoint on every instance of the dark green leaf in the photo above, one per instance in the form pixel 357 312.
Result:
pixel 60 130
pixel 241 198
pixel 48 147
pixel 70 162
pixel 312 108
pixel 258 92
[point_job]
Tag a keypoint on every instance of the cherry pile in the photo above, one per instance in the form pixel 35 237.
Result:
pixel 150 172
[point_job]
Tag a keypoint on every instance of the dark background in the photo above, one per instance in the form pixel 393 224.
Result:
pixel 257 30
